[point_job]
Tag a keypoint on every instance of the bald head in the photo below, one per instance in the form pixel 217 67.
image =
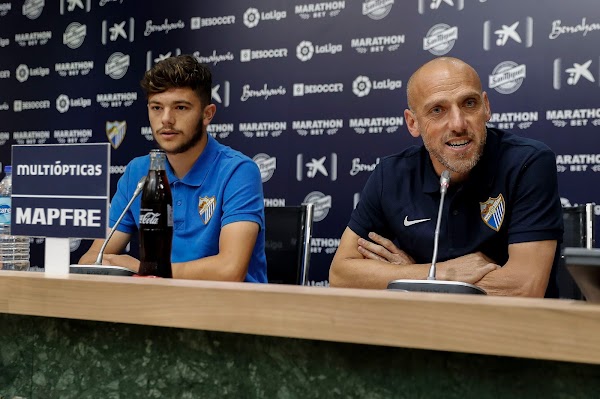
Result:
pixel 429 72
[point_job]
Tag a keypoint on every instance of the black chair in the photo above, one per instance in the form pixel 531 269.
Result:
pixel 288 231
pixel 579 232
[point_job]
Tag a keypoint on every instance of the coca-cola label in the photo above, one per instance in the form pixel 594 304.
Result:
pixel 169 215
pixel 150 218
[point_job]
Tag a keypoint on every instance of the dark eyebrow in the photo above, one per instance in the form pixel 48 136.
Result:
pixel 177 102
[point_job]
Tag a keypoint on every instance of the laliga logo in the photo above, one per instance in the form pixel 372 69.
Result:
pixel 22 73
pixel 62 103
pixel 251 17
pixel 305 51
pixel 361 86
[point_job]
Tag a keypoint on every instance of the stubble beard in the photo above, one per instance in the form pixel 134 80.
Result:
pixel 461 165
pixel 183 147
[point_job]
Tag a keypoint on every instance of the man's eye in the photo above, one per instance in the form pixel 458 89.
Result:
pixel 471 103
pixel 436 110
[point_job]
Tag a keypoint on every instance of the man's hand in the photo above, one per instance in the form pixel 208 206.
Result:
pixel 469 268
pixel 383 250
pixel 121 260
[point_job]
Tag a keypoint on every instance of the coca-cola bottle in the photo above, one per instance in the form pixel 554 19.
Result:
pixel 156 220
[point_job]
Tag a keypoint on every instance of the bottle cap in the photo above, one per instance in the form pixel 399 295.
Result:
pixel 7 169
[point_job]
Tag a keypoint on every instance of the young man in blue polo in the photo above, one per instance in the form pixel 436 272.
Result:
pixel 218 210
pixel 502 217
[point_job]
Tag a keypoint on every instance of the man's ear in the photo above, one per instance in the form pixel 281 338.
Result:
pixel 486 103
pixel 411 123
pixel 208 114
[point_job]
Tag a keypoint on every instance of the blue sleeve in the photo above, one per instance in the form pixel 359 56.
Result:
pixel 243 196
pixel 369 215
pixel 536 209
pixel 119 202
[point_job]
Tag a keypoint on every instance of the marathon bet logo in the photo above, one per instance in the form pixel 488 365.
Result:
pixel 64 103
pixel 247 55
pixel 506 32
pixel 362 85
pixel 321 202
pixel 323 245
pixel 33 8
pixel 318 127
pixel 75 68
pixel 507 77
pixel 264 92
pixel 116 65
pixel 33 38
pixel 4 42
pixel 359 167
pixel 5 74
pixel 72 136
pixel 274 202
pixel 5 8
pixel 221 93
pixel 213 58
pixel 301 89
pixel 72 5
pixel 4 106
pixel 4 137
pixel 146 131
pixel 266 164
pixel 512 120
pixel 436 4
pixel 23 72
pixel 574 117
pixel 377 9
pixel 320 10
pixel 116 100
pixel 376 125
pixel 220 130
pixel 440 39
pixel 118 30
pixel 74 35
pixel 578 163
pixel 150 61
pixel 377 44
pixel 316 166
pixel 165 27
pixel 198 22
pixel 262 129
pixel 305 50
pixel 252 16
pixel 31 137
pixel 574 73
pixel 583 28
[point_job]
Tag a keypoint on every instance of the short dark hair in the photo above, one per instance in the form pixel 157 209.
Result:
pixel 179 71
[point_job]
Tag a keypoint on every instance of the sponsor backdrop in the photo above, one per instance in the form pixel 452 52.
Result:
pixel 314 92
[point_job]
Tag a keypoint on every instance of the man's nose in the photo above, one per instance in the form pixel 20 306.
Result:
pixel 458 120
pixel 167 117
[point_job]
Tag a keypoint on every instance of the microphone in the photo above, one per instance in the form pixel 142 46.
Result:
pixel 97 267
pixel 431 284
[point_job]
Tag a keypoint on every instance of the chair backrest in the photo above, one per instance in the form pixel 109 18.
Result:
pixel 579 232
pixel 288 231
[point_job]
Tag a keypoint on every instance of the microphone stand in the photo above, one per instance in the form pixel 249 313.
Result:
pixel 431 284
pixel 97 267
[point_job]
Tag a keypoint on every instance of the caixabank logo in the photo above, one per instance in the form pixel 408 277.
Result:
pixel 118 31
pixel 69 6
pixel 441 5
pixel 320 10
pixel 154 57
pixel 311 167
pixel 574 74
pixel 507 35
pixel 507 77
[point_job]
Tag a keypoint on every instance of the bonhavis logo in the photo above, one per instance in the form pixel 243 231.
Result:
pixel 150 218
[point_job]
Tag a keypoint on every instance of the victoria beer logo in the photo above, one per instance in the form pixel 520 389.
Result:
pixel 156 220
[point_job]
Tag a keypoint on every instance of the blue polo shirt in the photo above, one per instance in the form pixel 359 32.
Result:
pixel 220 174
pixel 511 196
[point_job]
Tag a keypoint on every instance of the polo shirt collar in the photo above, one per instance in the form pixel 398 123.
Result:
pixel 200 169
pixel 484 171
